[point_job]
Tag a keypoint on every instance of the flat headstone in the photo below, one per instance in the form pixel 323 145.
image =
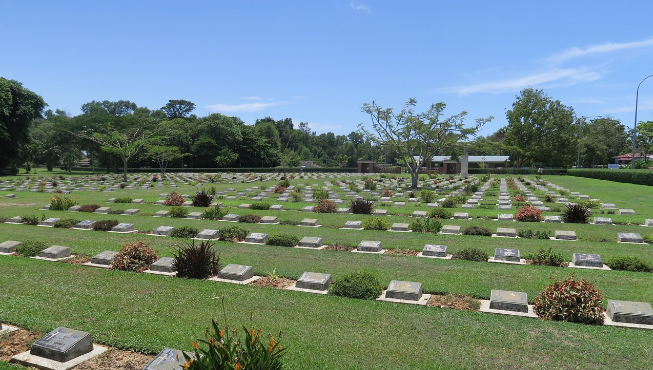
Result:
pixel 399 204
pixel 505 254
pixel 49 221
pixel 10 196
pixel 231 217
pixel 434 250
pixel 587 260
pixel 648 222
pixel 309 222
pixel 307 209
pixel 187 203
pixel 161 214
pixel 195 215
pixel 504 207
pixel 9 246
pixel 343 210
pixel 164 264
pixel 131 212
pixel 630 312
pixel 86 224
pixel 627 212
pixel 506 217
pixel 562 200
pixel 380 212
pixel 507 232
pixel 461 215
pixel 608 206
pixel 123 228
pixel 406 290
pixel 564 235
pixel 630 238
pixel 314 281
pixel 62 345
pixel 553 219
pixel 467 206
pixel 450 229
pixel 55 252
pixel 15 220
pixel 276 207
pixel 400 227
pixel 353 225
pixel 168 359
pixel 163 230
pixel 259 238
pixel 269 220
pixel 74 209
pixel 103 210
pixel 432 205
pixel 138 201
pixel 207 234
pixel 420 214
pixel 236 272
pixel 508 301
pixel 104 258
pixel 310 242
pixel 602 221
pixel 369 246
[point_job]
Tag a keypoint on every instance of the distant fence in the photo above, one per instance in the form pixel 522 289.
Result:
pixel 215 170
pixel 518 171
pixel 640 177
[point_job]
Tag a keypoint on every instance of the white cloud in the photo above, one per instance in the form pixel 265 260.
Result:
pixel 318 127
pixel 577 52
pixel 251 98
pixel 643 105
pixel 245 107
pixel 356 5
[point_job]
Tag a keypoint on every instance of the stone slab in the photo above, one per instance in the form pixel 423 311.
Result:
pixel 55 252
pixel 629 212
pixel 630 312
pixel 431 250
pixel 207 234
pixel 62 345
pixel 269 220
pixel 404 290
pixel 369 246
pixel 553 219
pixel 195 215
pixel 103 210
pixel 310 242
pixel 461 216
pixel 131 212
pixel 104 258
pixel 402 227
pixel 309 222
pixel 49 222
pixel 587 260
pixel 508 301
pixel 167 359
pixel 506 254
pixel 27 359
pixel 164 264
pixel 380 212
pixel 236 272
pixel 648 222
pixel 602 221
pixel 629 238
pixel 506 217
pixel 564 235
pixel 9 246
pixel 353 225
pixel 163 230
pixel 123 228
pixel 257 238
pixel 506 232
pixel 420 302
pixel 231 217
pixel 85 225
pixel 161 214
pixel 420 214
pixel 314 281
pixel 450 229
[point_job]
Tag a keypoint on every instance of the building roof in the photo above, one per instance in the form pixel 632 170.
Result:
pixel 475 158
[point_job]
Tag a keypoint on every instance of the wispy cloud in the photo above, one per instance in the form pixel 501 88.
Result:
pixel 576 52
pixel 251 98
pixel 319 127
pixel 643 105
pixel 245 107
pixel 357 5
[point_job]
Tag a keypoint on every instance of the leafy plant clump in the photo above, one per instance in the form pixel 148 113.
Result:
pixel 448 203
pixel 30 220
pixel 184 232
pixel 361 206
pixel 361 285
pixel 570 300
pixel 174 199
pixel 428 196
pixel 629 264
pixel 31 248
pixel 546 258
pixel 215 213
pixel 370 184
pixel 283 240
pixel 375 223
pixel 178 212
pixel 249 219
pixel 135 256
pixel 576 214
pixel 224 349
pixel 428 225
pixel 528 214
pixel 60 202
pixel 196 261
pixel 320 194
pixel 440 213
pixel 471 254
pixel 123 200
pixel 530 234
pixel 476 230
pixel 232 233
pixel 65 223
pixel 202 199
pixel 260 205
pixel 105 225
pixel 325 206
pixel 90 208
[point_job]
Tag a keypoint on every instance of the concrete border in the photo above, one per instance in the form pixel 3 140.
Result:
pixel 294 288
pixel 26 359
pixel 244 282
pixel 421 302
pixel 485 307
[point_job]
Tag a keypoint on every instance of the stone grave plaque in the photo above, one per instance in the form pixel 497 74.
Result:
pixel 380 212
pixel 164 264
pixel 608 206
pixel 649 222
pixel 160 202
pixel 630 312
pixel 505 217
pixel 507 232
pixel 353 225
pixel 168 359
pixel 55 252
pixel 461 215
pixel 472 201
pixel 565 235
pixel 602 221
pixel 104 258
pixel 537 203
pixel 504 206
pixel 269 220
pixel 419 214
pixel 103 210
pixel 62 345
pixel 86 224
pixel 231 217
pixel 432 205
pixel 450 229
pixel 10 196
pixel 627 212
pixel 504 202
pixel 406 290
pixel 163 230
pixel 309 222
pixel 434 250
pixel 74 208
pixel 161 214
pixel 587 260
pixel 307 209
pixel 138 201
pixel 314 281
pixel 259 238
pixel 123 228
pixel 468 206
pixel 508 301
pixel 276 207
pixel 630 238
pixel 49 222
pixel 343 210
pixel 369 246
pixel 400 227
pixel 310 242
pixel 505 254
pixel 553 219
pixel 399 204
pixel 207 234
pixel 236 272
pixel 562 200
pixel 15 220
pixel 9 246
pixel 45 207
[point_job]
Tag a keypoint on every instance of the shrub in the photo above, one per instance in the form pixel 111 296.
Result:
pixel 31 248
pixel 60 202
pixel 361 285
pixel 249 219
pixel 428 196
pixel 387 193
pixel 476 230
pixel 361 206
pixel 530 234
pixel 375 223
pixel 440 213
pixel 283 240
pixel 224 349
pixel 105 225
pixel 196 261
pixel 202 199
pixel 528 214
pixel 296 196
pixel 260 205
pixel 370 184
pixel 88 208
pixel 325 206
pixel 178 212
pixel 471 254
pixel 123 200
pixel 518 198
pixel 284 183
pixel 320 194
pixel 134 256
pixel 65 223
pixel 590 203
pixel 215 213
pixel 174 199
pixel 576 214
pixel 549 198
pixel 184 232
pixel 629 264
pixel 232 233
pixel 448 203
pixel 570 300
pixel 278 189
pixel 546 258
pixel 428 225
pixel 353 187
pixel 30 219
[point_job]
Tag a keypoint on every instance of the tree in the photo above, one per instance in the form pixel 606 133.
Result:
pixel 18 108
pixel 541 129
pixel 418 137
pixel 645 138
pixel 178 108
pixel 602 139
pixel 163 154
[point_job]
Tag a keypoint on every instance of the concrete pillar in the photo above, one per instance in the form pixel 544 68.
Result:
pixel 464 164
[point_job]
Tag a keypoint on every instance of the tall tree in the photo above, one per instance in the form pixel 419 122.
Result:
pixel 645 138
pixel 178 108
pixel 602 139
pixel 417 137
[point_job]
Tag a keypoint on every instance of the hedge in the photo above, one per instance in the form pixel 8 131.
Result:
pixel 518 171
pixel 641 177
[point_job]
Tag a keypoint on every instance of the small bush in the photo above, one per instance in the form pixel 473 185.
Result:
pixel 250 219
pixel 570 300
pixel 184 232
pixel 320 194
pixel 530 234
pixel 428 225
pixel 289 222
pixel 375 223
pixel 178 212
pixel 278 189
pixel 232 233
pixel 283 240
pixel 88 208
pixel 576 214
pixel 546 258
pixel 448 203
pixel 325 206
pixel 476 230
pixel 134 256
pixel 284 183
pixel 370 184
pixel 629 264
pixel 296 196
pixel 471 254
pixel 387 193
pixel 428 196
pixel 260 205
pixel 440 213
pixel 123 200
pixel 590 203
pixel 31 248
pixel 528 214
pixel 361 206
pixel 202 199
pixel 30 220
pixel 60 202
pixel 518 198
pixel 65 223
pixel 105 225
pixel 215 213
pixel 196 261
pixel 549 198
pixel 361 285
pixel 174 199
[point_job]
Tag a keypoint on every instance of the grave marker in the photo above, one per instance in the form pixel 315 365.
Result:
pixel 314 281
pixel 9 246
pixel 369 246
pixel 257 238
pixel 435 250
pixel 104 258
pixel 508 301
pixel 505 254
pixel 630 238
pixel 62 345
pixel 236 272
pixel 630 312
pixel 55 252
pixel 405 290
pixel 587 260
pixel 168 359
pixel 310 242
pixel 123 228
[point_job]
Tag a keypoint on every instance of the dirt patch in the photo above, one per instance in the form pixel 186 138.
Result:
pixel 339 247
pixel 78 260
pixel 116 359
pixel 16 342
pixel 454 301
pixel 17 204
pixel 278 283
pixel 402 252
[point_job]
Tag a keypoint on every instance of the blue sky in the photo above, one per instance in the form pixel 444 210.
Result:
pixel 319 61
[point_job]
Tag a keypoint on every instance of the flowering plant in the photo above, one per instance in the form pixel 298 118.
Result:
pixel 570 300
pixel 528 214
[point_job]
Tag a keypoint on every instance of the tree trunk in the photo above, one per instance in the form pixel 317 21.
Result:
pixel 124 169
pixel 414 176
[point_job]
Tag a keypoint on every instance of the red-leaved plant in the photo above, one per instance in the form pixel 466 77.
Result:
pixel 570 300
pixel 528 214
pixel 325 206
pixel 134 256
